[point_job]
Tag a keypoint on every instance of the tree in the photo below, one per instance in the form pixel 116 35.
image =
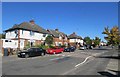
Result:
pixel 49 40
pixel 96 41
pixel 113 35
pixel 87 40
pixel 2 36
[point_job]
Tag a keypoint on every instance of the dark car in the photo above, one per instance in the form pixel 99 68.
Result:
pixel 70 49
pixel 31 52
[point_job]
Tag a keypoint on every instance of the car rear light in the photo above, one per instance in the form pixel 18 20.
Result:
pixel 50 50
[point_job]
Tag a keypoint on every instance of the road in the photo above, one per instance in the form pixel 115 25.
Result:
pixel 80 62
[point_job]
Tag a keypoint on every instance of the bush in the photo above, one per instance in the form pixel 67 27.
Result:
pixel 51 46
pixel 27 46
pixel 42 46
pixel 62 46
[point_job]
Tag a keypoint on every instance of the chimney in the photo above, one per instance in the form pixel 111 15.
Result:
pixel 32 22
pixel 56 30
pixel 48 30
pixel 74 33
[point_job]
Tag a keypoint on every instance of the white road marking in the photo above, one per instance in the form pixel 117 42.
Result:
pixel 83 61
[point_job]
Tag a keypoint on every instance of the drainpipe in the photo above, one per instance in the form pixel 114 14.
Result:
pixel 18 39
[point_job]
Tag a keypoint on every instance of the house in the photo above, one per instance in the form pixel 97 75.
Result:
pixel 102 43
pixel 25 33
pixel 59 38
pixel 75 39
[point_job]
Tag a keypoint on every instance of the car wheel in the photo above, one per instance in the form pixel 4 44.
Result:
pixel 53 52
pixel 26 56
pixel 42 54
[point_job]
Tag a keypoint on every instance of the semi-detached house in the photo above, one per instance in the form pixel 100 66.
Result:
pixel 25 33
pixel 59 38
pixel 22 34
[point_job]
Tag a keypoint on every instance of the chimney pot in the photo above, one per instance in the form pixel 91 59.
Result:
pixel 56 29
pixel 74 33
pixel 32 22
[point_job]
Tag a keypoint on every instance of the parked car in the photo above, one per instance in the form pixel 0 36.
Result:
pixel 55 50
pixel 70 49
pixel 82 48
pixel 32 52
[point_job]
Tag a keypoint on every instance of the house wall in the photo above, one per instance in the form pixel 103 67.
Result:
pixel 1 44
pixel 25 34
pixel 25 37
pixel 10 43
pixel 76 40
pixel 35 35
pixel 10 35
pixel 73 40
pixel 58 41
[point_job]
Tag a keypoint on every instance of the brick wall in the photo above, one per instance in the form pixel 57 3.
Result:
pixel 58 40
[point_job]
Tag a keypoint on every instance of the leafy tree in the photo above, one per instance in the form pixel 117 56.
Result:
pixel 96 41
pixel 49 40
pixel 87 40
pixel 113 35
pixel 2 36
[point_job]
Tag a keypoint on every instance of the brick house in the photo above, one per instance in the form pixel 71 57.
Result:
pixel 22 34
pixel 60 38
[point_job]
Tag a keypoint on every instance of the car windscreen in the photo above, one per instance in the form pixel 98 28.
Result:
pixel 39 49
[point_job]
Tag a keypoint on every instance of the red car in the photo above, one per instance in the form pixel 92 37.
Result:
pixel 55 50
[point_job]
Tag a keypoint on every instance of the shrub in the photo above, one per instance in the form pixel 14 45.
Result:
pixel 42 46
pixel 51 46
pixel 27 45
pixel 62 46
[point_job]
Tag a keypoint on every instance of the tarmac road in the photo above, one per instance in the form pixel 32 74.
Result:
pixel 80 62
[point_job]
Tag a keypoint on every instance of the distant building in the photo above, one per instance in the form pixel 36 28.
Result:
pixel 75 39
pixel 102 43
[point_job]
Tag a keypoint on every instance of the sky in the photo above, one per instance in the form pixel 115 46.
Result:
pixel 84 18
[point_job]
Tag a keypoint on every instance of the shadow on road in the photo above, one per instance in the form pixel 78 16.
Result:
pixel 110 57
pixel 108 74
pixel 101 49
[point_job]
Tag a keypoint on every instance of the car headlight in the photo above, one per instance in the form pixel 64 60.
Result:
pixel 23 53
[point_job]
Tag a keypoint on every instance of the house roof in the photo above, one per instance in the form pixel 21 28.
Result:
pixel 56 33
pixel 28 26
pixel 74 36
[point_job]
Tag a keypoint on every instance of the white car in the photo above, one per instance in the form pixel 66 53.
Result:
pixel 82 47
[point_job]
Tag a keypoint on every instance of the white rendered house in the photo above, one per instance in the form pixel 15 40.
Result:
pixel 24 33
pixel 75 39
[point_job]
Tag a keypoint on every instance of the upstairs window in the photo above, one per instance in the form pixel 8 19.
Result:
pixel 31 33
pixel 22 31
pixel 44 35
pixel 16 33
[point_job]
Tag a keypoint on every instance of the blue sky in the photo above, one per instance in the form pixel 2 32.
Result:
pixel 84 18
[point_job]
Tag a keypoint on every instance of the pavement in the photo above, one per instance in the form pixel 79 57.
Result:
pixel 1 54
